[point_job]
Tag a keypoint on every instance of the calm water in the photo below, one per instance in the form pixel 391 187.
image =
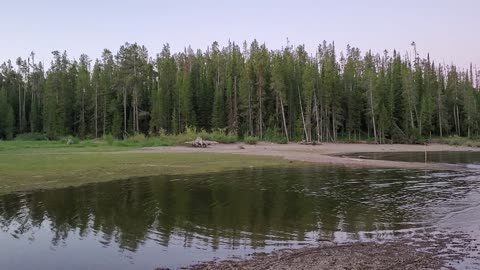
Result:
pixel 175 221
pixel 437 156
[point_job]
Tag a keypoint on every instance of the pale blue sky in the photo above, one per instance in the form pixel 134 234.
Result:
pixel 446 29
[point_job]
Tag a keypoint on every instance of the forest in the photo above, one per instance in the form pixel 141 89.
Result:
pixel 246 90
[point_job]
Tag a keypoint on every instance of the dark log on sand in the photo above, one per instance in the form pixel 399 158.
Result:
pixel 309 143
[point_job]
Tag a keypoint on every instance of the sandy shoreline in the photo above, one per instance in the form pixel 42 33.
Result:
pixel 428 250
pixel 327 153
pixel 358 256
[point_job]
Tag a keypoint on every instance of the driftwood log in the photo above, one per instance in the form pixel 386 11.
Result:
pixel 199 142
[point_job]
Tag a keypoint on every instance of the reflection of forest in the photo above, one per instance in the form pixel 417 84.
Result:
pixel 226 208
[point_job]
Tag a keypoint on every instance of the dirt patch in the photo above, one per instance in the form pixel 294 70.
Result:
pixel 328 153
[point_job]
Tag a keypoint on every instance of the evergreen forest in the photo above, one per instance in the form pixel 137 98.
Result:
pixel 242 89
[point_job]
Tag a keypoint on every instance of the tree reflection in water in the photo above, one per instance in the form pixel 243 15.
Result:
pixel 230 209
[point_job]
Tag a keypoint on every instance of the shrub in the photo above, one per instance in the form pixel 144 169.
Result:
pixel 282 140
pixel 136 139
pixel 109 139
pixel 33 136
pixel 275 135
pixel 250 140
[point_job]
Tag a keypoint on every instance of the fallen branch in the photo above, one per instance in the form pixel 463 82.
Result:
pixel 309 143
pixel 199 142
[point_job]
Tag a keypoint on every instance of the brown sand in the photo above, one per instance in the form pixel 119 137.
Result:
pixel 429 250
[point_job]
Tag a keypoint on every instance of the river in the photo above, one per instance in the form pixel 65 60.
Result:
pixel 174 221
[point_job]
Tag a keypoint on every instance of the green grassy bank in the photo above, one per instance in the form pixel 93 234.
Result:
pixel 37 165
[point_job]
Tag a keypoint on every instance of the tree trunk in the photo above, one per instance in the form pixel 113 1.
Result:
pixel 260 109
pixel 24 115
pixel 82 115
pixel 458 121
pixel 334 124
pixel 283 117
pixel 250 120
pixel 32 120
pixel 19 107
pixel 321 123
pixel 133 117
pixel 317 117
pixel 235 108
pixel 303 118
pixel 439 113
pixel 104 113
pixel 373 113
pixel 96 111
pixel 124 111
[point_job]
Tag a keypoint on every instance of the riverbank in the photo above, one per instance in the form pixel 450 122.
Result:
pixel 40 166
pixel 22 170
pixel 337 154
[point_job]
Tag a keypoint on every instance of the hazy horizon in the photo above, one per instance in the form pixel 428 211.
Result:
pixel 445 29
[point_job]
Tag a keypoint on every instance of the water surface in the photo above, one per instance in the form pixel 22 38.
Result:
pixel 452 157
pixel 174 221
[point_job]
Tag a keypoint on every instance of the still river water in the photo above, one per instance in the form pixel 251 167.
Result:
pixel 173 221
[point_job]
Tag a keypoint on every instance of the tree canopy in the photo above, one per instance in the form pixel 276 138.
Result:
pixel 245 89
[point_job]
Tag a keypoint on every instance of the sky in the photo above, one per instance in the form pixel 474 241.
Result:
pixel 447 29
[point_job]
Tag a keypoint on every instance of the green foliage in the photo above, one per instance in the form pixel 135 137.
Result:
pixel 109 139
pixel 7 119
pixel 274 135
pixel 9 124
pixel 456 140
pixel 234 91
pixel 141 140
pixel 33 136
pixel 250 140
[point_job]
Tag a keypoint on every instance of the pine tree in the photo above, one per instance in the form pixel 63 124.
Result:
pixel 249 91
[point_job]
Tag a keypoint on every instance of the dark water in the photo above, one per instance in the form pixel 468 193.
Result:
pixel 175 221
pixel 437 157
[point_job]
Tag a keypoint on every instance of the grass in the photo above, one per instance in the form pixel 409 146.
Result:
pixel 27 165
pixel 250 140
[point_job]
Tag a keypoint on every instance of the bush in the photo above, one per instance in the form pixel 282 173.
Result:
pixel 109 139
pixel 281 140
pixel 457 140
pixel 250 140
pixel 33 136
pixel 274 135
pixel 136 139
pixel 140 140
